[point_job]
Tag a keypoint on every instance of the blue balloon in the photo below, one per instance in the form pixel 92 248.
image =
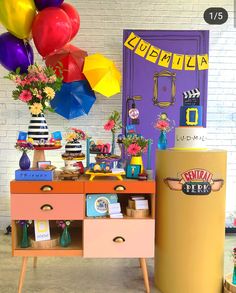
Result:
pixel 41 4
pixel 75 99
pixel 15 53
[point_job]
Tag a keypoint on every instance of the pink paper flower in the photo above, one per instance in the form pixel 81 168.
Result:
pixel 162 124
pixel 133 149
pixel 109 125
pixel 25 96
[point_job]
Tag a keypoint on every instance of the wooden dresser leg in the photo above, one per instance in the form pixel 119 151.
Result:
pixel 145 274
pixel 140 263
pixel 22 273
pixel 35 262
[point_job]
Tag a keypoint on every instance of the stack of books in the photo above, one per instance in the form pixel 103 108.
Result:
pixel 114 210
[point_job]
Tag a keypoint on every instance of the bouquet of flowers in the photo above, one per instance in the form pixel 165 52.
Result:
pixel 135 145
pixel 24 146
pixel 24 222
pixel 63 223
pixel 36 88
pixel 163 123
pixel 75 135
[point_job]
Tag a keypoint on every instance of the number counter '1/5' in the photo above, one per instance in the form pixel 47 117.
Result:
pixel 216 15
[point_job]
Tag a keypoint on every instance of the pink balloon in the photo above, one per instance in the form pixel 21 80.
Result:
pixel 73 16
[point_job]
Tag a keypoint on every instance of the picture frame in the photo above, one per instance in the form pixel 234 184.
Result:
pixel 43 164
pixel 132 171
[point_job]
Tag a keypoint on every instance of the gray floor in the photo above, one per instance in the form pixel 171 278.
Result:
pixel 72 275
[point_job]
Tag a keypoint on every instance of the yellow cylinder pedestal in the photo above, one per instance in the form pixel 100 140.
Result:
pixel 189 248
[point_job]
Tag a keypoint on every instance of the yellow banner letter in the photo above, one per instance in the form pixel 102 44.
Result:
pixel 132 41
pixel 153 54
pixel 190 62
pixel 202 61
pixel 142 48
pixel 178 61
pixel 165 58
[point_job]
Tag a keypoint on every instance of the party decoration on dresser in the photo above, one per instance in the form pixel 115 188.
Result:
pixel 102 75
pixel 41 4
pixel 164 58
pixel 191 133
pixel 138 207
pixel 135 146
pixel 15 53
pixel 113 124
pixel 42 230
pixel 164 124
pixel 72 60
pixel 132 171
pixel 24 147
pixel 75 99
pixel 195 182
pixel 65 238
pixel 25 238
pixel 17 16
pixel 51 30
pixel 73 17
pixel 97 204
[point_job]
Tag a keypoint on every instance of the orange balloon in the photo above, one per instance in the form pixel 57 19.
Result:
pixel 51 30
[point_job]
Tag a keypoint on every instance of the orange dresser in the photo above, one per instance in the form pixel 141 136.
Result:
pixel 91 237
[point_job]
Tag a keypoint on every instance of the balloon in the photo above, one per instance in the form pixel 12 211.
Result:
pixel 51 30
pixel 73 16
pixel 17 16
pixel 15 53
pixel 41 4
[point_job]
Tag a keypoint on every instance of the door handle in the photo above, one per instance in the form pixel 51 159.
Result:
pixel 119 239
pixel 46 188
pixel 46 207
pixel 119 188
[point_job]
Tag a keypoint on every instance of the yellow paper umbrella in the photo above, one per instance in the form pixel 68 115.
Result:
pixel 102 75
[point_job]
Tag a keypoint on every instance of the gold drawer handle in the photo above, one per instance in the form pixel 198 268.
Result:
pixel 119 239
pixel 46 207
pixel 46 188
pixel 119 188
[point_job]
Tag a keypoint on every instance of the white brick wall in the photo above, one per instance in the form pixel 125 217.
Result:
pixel 102 24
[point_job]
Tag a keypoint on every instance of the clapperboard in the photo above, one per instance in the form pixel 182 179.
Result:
pixel 191 97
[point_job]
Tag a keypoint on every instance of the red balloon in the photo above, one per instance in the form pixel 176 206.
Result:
pixel 73 16
pixel 72 59
pixel 51 30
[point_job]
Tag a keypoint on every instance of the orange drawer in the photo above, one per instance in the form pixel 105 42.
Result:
pixel 119 238
pixel 116 186
pixel 47 187
pixel 47 207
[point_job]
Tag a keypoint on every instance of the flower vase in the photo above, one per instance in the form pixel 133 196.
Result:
pixel 234 275
pixel 38 128
pixel 25 239
pixel 113 143
pixel 137 160
pixel 162 141
pixel 65 238
pixel 24 162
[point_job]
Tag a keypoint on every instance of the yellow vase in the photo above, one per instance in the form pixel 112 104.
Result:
pixel 137 160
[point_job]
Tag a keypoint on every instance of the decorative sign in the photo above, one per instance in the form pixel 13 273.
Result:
pixel 42 230
pixel 191 97
pixel 164 58
pixel 195 182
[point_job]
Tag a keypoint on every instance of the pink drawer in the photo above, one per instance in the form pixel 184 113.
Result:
pixel 47 206
pixel 119 238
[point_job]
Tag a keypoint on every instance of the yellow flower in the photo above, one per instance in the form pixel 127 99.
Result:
pixel 71 136
pixel 50 93
pixel 36 108
pixel 30 140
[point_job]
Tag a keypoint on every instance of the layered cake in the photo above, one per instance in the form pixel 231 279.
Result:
pixel 191 133
pixel 73 147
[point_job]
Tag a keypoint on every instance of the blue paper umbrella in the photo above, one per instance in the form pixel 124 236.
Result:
pixel 74 99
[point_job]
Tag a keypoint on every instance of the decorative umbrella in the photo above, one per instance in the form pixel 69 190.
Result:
pixel 74 99
pixel 102 75
pixel 72 59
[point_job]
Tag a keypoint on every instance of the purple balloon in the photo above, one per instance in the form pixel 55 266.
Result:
pixel 15 53
pixel 41 4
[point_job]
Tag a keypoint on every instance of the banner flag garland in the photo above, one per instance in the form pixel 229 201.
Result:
pixel 152 53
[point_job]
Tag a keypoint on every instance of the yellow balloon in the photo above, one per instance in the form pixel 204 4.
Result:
pixel 17 16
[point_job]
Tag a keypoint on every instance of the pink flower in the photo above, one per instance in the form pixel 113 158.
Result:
pixel 109 125
pixel 162 124
pixel 25 96
pixel 133 149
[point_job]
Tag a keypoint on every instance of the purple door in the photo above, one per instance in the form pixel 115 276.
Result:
pixel 139 74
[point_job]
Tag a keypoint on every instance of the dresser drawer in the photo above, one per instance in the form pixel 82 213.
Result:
pixel 47 206
pixel 116 186
pixel 119 238
pixel 47 187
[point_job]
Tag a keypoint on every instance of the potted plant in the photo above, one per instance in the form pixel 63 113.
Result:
pixel 24 147
pixel 164 124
